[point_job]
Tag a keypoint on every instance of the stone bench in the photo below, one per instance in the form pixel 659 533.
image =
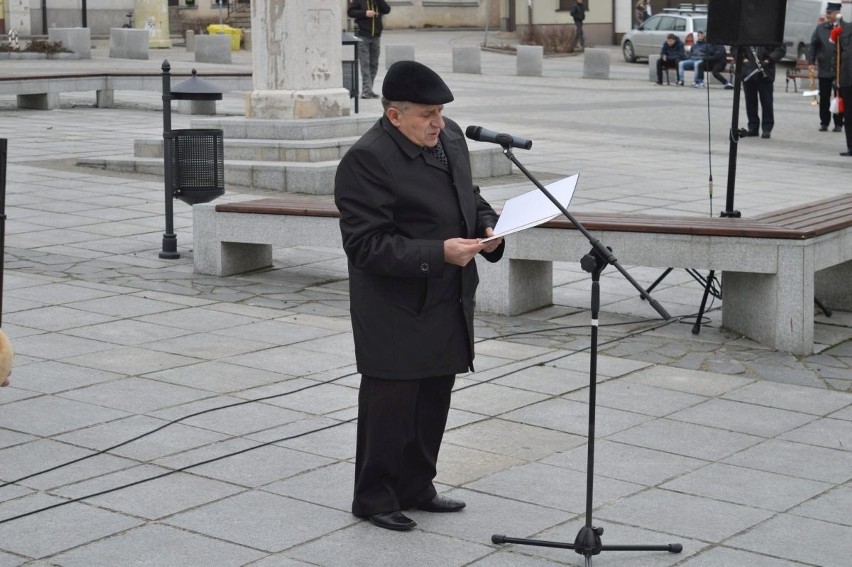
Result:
pixel 773 265
pixel 41 92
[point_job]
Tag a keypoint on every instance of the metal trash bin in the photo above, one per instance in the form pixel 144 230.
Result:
pixel 198 165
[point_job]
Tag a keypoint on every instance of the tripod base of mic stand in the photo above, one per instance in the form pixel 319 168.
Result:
pixel 587 543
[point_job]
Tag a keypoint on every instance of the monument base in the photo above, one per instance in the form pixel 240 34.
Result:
pixel 298 104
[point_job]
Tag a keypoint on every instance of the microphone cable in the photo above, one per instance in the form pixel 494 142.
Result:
pixel 167 424
pixel 658 325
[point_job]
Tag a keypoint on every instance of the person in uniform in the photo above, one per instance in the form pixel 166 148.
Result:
pixel 843 39
pixel 412 222
pixel 823 54
pixel 759 84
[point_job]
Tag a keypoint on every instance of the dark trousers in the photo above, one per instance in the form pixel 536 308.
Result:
pixel 716 68
pixel 580 37
pixel 400 427
pixel 368 59
pixel 670 63
pixel 825 101
pixel 761 89
pixel 846 95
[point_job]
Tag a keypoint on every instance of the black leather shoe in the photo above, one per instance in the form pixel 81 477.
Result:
pixel 837 129
pixel 396 521
pixel 764 135
pixel 752 134
pixel 823 128
pixel 847 154
pixel 442 504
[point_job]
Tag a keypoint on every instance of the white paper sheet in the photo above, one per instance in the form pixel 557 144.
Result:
pixel 534 208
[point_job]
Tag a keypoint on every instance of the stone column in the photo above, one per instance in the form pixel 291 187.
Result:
pixel 153 15
pixel 296 60
pixel 19 18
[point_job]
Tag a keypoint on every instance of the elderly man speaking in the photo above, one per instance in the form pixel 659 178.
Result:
pixel 412 222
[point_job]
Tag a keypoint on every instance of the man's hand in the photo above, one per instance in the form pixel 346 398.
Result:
pixel 460 251
pixel 491 245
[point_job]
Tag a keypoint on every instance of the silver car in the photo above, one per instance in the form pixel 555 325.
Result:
pixel 648 38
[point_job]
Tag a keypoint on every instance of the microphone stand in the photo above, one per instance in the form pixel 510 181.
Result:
pixel 588 539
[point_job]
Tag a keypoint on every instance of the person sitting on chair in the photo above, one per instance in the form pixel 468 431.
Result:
pixel 670 55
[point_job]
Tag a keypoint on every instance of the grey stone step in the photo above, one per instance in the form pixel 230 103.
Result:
pixel 270 129
pixel 315 178
pixel 303 151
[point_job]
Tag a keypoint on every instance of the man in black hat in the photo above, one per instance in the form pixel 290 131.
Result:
pixel 822 53
pixel 411 220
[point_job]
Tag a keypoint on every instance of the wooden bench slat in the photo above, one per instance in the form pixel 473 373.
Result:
pixel 814 219
pixel 277 206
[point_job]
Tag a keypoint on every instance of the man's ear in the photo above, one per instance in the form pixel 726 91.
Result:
pixel 393 115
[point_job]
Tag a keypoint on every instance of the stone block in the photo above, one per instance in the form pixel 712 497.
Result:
pixel 105 98
pixel 394 53
pixel 76 40
pixel 213 49
pixel 596 64
pixel 529 61
pixel 190 40
pixel 467 60
pixel 506 278
pixel 40 101
pixel 127 43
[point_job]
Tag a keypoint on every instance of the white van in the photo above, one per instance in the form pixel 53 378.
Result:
pixel 801 21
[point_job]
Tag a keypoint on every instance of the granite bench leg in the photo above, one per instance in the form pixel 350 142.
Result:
pixel 512 287
pixel 105 98
pixel 40 101
pixel 774 309
pixel 214 255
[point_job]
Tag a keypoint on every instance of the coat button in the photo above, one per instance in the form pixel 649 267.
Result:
pixel 424 267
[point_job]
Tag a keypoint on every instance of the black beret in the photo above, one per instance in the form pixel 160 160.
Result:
pixel 410 81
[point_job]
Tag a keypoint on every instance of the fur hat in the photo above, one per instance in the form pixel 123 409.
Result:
pixel 410 81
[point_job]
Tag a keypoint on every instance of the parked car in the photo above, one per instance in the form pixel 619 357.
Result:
pixel 648 38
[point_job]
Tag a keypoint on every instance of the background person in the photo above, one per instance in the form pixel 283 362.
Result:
pixel 822 60
pixel 368 17
pixel 715 59
pixel 578 13
pixel 670 55
pixel 759 84
pixel 694 62
pixel 411 219
pixel 843 39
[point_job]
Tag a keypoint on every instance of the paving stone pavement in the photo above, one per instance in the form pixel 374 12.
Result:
pixel 158 417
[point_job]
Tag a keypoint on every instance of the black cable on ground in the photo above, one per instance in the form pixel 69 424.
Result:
pixel 291 437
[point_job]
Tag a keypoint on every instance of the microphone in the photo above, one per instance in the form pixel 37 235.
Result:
pixel 481 134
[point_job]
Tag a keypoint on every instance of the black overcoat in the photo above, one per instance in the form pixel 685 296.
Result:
pixel 822 52
pixel 845 41
pixel 412 313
